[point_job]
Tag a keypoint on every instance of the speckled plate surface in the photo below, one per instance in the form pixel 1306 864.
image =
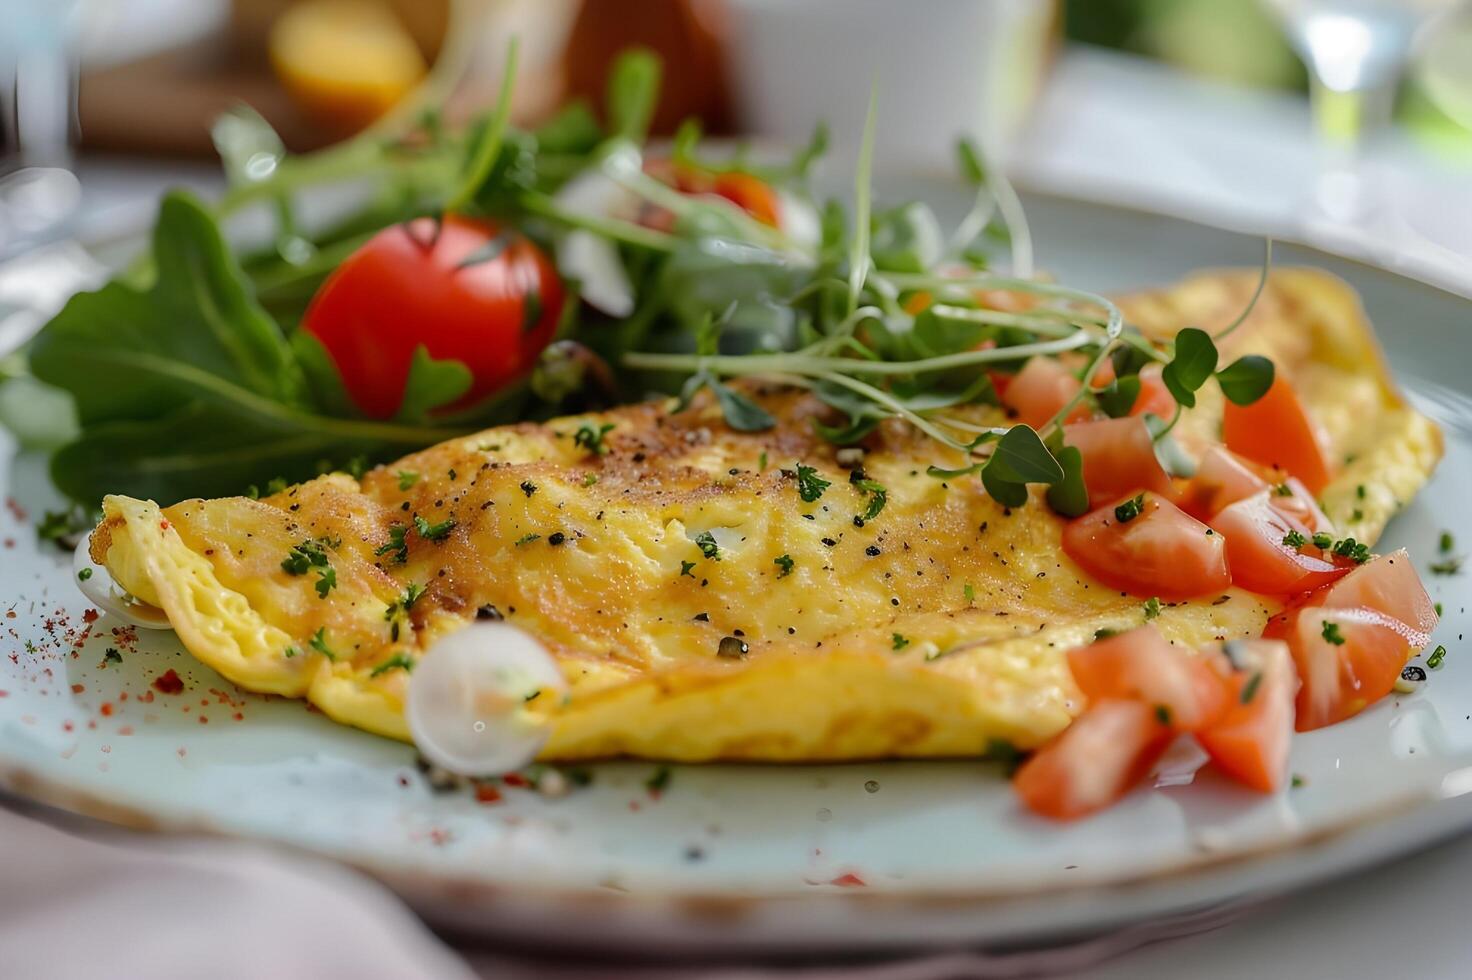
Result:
pixel 805 858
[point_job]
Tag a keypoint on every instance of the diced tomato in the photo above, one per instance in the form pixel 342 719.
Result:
pixel 1094 762
pixel 1119 457
pixel 1222 478
pixel 1340 679
pixel 1142 665
pixel 1250 741
pixel 1154 396
pixel 752 194
pixel 1276 431
pixel 1040 390
pixel 1161 552
pixel 1389 585
pixel 1260 557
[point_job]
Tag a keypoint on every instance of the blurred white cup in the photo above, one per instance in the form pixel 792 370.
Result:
pixel 943 67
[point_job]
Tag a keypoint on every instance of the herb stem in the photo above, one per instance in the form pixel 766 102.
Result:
pixel 612 228
pixel 884 398
pixel 1262 281
pixel 488 147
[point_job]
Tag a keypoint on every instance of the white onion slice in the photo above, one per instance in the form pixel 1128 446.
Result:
pixel 468 710
pixel 105 594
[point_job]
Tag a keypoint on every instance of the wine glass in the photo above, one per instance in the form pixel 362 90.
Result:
pixel 1356 51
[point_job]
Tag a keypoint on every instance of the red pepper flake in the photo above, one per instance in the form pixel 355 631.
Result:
pixel 487 793
pixel 204 720
pixel 122 695
pixel 91 724
pixel 106 709
pixel 168 682
pixel 164 524
pixel 146 697
pixel 67 726
pixel 90 616
pixel 516 780
pixel 849 880
pixel 126 730
pixel 403 780
pixel 238 716
pixel 77 689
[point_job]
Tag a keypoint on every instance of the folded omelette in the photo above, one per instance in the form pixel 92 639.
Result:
pixel 699 607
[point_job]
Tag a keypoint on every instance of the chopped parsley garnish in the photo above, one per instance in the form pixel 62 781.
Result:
pixel 303 557
pixel 1162 713
pixel 1322 540
pixel 526 539
pixel 590 437
pixel 1437 656
pixel 111 653
pixel 396 545
pixel 1332 634
pixel 326 581
pixel 1002 751
pixel 1447 542
pixel 290 652
pixel 1152 608
pixel 1249 690
pixel 708 545
pixel 761 461
pixel 784 565
pixel 434 532
pixel 319 643
pixel 659 780
pixel 1104 633
pixel 968 592
pixel 590 479
pixel 1451 566
pixel 528 487
pixel 1353 550
pixel 407 478
pixel 398 661
pixel 878 497
pixel 84 574
pixel 1282 490
pixel 810 485
pixel 900 641
pixel 1357 515
pixel 1437 607
pixel 685 569
pixel 412 594
pixel 1297 781
pixel 57 524
pixel 1295 539
pixel 1359 491
pixel 1130 509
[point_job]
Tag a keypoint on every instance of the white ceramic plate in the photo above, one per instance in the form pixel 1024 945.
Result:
pixel 852 857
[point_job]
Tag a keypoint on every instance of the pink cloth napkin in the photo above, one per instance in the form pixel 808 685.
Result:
pixel 115 904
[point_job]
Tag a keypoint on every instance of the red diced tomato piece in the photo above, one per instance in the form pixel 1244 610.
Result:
pixel 1250 741
pixel 1276 430
pixel 1161 552
pixel 1142 665
pixel 1119 457
pixel 1095 761
pixel 1260 555
pixel 1040 390
pixel 1347 659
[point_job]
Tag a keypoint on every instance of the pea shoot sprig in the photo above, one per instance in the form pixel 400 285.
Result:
pixel 895 328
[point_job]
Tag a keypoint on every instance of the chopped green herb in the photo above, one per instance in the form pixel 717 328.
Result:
pixel 761 461
pixel 784 565
pixel 1437 656
pixel 407 478
pixel 659 780
pixel 1295 539
pixel 1437 607
pixel 412 594
pixel 1162 713
pixel 1249 690
pixel 878 497
pixel 528 487
pixel 590 437
pixel 1104 633
pixel 1356 515
pixel 304 557
pixel 1002 751
pixel 1297 781
pixel 290 652
pixel 685 569
pixel 58 524
pixel 111 653
pixel 526 539
pixel 84 574
pixel 1353 550
pixel 1130 509
pixel 1152 608
pixel 1359 491
pixel 810 485
pixel 708 545
pixel 1322 540
pixel 1283 490
pixel 1452 566
pixel 968 592
pixel 590 479
pixel 326 581
pixel 1332 634
pixel 434 532
pixel 396 545
pixel 398 661
pixel 1447 542
pixel 319 643
pixel 900 642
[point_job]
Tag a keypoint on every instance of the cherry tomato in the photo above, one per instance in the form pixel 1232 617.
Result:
pixel 1095 761
pixel 1040 390
pixel 1154 396
pixel 752 194
pixel 464 291
pixel 1142 666
pixel 1347 659
pixel 1250 741
pixel 1161 552
pixel 1276 431
pixel 1259 554
pixel 1119 457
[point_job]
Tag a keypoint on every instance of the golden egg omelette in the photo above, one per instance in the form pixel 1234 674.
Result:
pixel 697 605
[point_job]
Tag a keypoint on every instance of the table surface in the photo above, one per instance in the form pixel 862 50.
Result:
pixel 1126 131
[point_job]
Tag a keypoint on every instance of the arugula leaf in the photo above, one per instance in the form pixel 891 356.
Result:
pixel 742 414
pixel 1195 360
pixel 1246 379
pixel 633 91
pixel 431 384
